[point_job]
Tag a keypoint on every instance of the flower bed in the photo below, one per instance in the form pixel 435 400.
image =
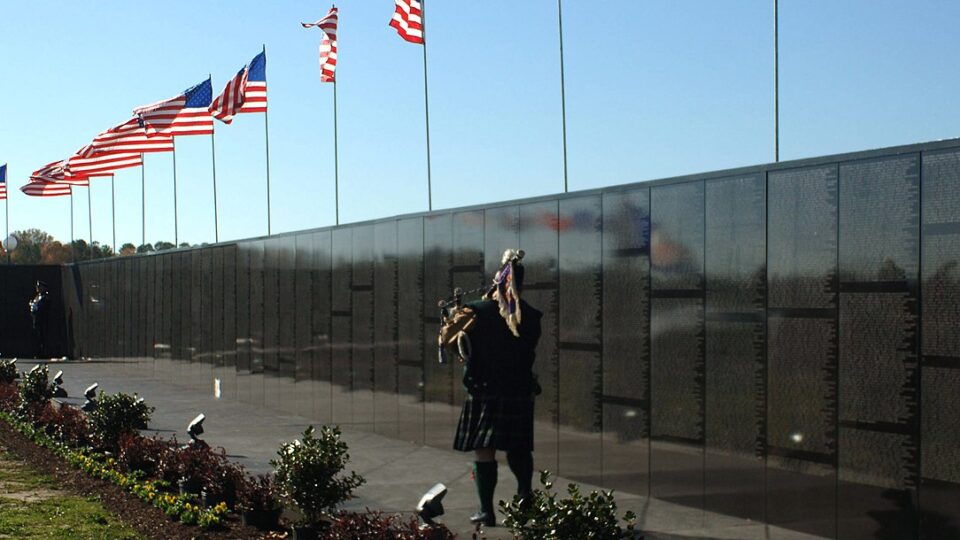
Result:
pixel 184 508
pixel 90 442
pixel 194 485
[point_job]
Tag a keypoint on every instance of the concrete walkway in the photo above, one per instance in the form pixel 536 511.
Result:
pixel 397 472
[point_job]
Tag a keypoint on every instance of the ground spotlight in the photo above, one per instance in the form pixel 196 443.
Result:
pixel 91 394
pixel 58 390
pixel 431 504
pixel 196 428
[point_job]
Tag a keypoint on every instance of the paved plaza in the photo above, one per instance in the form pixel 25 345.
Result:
pixel 397 472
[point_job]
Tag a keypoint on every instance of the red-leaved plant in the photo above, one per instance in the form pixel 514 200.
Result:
pixel 9 397
pixel 260 494
pixel 372 524
pixel 138 453
pixel 65 424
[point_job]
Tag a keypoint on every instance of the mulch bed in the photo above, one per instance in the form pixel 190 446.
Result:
pixel 146 519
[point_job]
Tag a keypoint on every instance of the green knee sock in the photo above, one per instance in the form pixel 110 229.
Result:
pixel 485 477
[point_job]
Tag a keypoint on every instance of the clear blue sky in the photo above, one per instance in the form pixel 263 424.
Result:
pixel 654 89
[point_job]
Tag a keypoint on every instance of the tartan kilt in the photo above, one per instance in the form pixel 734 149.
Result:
pixel 503 423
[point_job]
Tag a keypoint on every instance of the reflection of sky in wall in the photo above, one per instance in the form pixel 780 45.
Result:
pixel 630 220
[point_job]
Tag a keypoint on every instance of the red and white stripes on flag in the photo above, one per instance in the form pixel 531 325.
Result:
pixel 328 46
pixel 56 172
pixel 185 114
pixel 45 189
pixel 100 164
pixel 228 103
pixel 408 20
pixel 246 92
pixel 127 138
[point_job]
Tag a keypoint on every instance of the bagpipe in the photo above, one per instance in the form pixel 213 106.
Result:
pixel 456 319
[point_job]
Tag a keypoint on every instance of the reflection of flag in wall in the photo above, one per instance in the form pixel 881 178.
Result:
pixel 3 182
pixel 328 46
pixel 408 20
pixel 245 93
pixel 186 114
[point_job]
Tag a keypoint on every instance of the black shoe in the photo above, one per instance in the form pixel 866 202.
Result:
pixel 487 518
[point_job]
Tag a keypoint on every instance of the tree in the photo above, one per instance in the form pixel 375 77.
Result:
pixel 161 245
pixel 55 253
pixel 127 249
pixel 145 248
pixel 99 251
pixel 81 250
pixel 34 236
pixel 29 243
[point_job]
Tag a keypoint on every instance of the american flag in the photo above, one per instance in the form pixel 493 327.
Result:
pixel 186 114
pixel 408 20
pixel 46 189
pixel 245 93
pixel 99 164
pixel 3 182
pixel 56 172
pixel 125 138
pixel 328 46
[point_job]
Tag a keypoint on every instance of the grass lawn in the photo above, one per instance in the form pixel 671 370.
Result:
pixel 32 507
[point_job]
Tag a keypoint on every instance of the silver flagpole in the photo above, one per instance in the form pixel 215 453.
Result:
pixel 73 247
pixel 776 80
pixel 143 200
pixel 176 237
pixel 90 212
pixel 6 214
pixel 336 157
pixel 426 103
pixel 216 221
pixel 266 132
pixel 113 214
pixel 563 98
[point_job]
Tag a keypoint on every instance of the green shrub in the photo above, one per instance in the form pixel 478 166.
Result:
pixel 307 473
pixel 543 517
pixel 35 393
pixel 116 415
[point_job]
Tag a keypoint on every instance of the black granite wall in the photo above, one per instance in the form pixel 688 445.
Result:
pixel 776 343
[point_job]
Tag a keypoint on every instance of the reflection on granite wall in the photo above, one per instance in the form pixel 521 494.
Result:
pixel 776 343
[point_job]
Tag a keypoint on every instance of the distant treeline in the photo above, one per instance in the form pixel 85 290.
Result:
pixel 39 247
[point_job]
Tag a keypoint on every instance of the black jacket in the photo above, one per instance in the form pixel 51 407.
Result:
pixel 500 363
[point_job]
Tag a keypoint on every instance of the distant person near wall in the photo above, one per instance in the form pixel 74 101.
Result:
pixel 40 315
pixel 498 376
